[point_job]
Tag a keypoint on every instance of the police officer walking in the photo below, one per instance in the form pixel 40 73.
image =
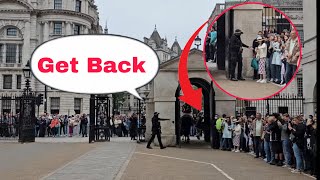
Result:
pixel 156 130
pixel 235 48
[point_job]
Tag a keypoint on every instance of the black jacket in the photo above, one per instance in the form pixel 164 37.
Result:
pixel 275 132
pixel 236 44
pixel 155 124
pixel 299 132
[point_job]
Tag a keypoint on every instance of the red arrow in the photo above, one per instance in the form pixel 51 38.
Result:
pixel 190 96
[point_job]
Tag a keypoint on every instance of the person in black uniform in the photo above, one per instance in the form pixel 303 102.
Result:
pixel 236 55
pixel 156 130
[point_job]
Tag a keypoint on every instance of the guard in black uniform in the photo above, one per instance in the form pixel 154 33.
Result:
pixel 235 49
pixel 156 130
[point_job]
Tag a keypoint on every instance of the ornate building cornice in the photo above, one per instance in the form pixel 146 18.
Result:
pixel 66 12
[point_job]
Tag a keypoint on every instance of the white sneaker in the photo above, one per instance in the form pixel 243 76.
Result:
pixel 236 151
pixel 263 81
pixel 259 80
pixel 271 80
pixel 265 159
pixel 296 171
pixel 233 150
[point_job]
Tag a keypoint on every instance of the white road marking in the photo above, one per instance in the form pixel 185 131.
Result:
pixel 200 162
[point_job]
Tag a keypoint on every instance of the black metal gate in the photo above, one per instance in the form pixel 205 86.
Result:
pixel 273 21
pixel 99 118
pixel 284 103
pixel 9 119
pixel 27 118
pixel 17 118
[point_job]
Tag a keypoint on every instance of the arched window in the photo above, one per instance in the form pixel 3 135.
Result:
pixel 12 31
pixel 11 45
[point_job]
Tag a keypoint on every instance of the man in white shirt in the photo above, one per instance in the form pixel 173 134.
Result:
pixel 257 126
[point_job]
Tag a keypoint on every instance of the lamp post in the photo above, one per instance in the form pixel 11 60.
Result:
pixel 197 42
pixel 27 116
pixel 27 75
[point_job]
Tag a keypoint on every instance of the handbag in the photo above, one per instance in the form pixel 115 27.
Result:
pixel 254 64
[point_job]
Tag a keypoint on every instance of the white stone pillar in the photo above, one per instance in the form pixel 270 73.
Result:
pixel 63 26
pixel 85 30
pixel 68 28
pixel 17 53
pixel 46 32
pixel 26 43
pixel 51 28
pixel 4 53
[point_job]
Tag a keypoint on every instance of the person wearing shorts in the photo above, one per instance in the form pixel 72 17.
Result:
pixel 275 139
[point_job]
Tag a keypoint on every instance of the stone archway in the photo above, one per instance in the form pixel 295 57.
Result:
pixel 208 108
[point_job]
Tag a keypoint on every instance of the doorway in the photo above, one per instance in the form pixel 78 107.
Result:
pixel 208 108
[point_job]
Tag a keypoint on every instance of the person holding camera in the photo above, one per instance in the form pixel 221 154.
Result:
pixel 227 134
pixel 298 130
pixel 286 144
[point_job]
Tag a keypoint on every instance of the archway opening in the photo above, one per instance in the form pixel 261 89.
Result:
pixel 208 108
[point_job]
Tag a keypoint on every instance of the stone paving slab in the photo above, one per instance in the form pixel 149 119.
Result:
pixel 104 162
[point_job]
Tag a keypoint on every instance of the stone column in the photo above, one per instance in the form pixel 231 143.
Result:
pixel 4 53
pixel 63 26
pixel 46 31
pixel 51 28
pixel 85 30
pixel 17 53
pixel 68 28
pixel 248 18
pixel 26 43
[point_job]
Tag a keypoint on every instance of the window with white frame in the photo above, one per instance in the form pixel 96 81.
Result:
pixel 11 53
pixel 54 105
pixel 18 81
pixel 1 52
pixel 57 28
pixel 78 6
pixel 76 29
pixel 300 86
pixel 57 4
pixel 12 31
pixel 20 53
pixel 77 105
pixel 7 81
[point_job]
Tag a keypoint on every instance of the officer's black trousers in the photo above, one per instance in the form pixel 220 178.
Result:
pixel 233 63
pixel 152 138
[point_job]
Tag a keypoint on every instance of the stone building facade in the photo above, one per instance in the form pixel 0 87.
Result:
pixel 165 53
pixel 26 24
pixel 309 61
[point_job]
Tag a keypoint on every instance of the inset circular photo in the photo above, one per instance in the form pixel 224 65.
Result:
pixel 252 51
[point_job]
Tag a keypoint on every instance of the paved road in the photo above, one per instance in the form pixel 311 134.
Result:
pixel 101 163
pixel 248 89
pixel 127 160
pixel 194 163
pixel 34 160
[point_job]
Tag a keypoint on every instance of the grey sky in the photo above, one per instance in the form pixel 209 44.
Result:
pixel 137 18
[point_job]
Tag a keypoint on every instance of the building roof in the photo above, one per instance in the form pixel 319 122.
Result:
pixel 156 37
pixel 176 44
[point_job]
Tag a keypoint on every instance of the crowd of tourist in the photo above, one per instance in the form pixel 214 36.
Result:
pixel 55 125
pixel 275 56
pixel 279 139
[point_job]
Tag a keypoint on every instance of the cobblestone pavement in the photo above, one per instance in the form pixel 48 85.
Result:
pixel 248 89
pixel 103 162
pixel 201 163
pixel 33 160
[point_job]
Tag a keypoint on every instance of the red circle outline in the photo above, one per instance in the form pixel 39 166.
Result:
pixel 299 60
